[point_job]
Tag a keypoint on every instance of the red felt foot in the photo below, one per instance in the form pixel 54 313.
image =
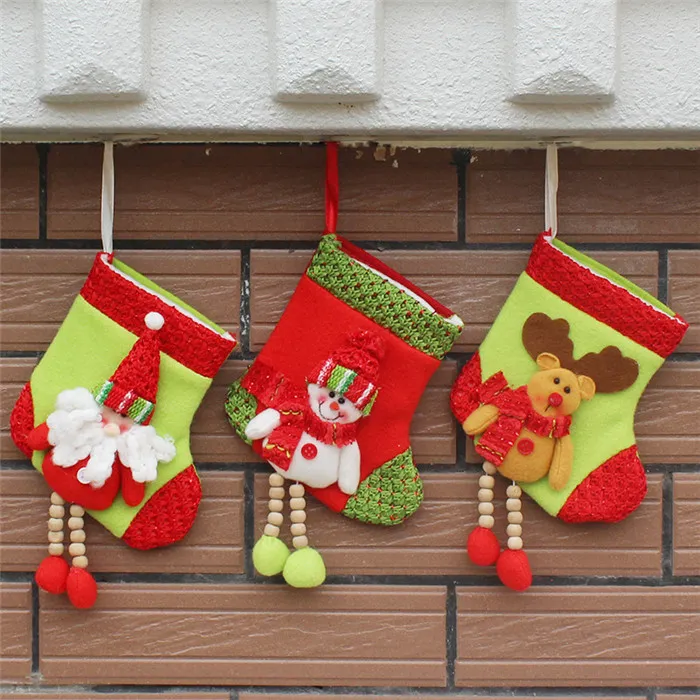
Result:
pixel 513 568
pixel 482 547
pixel 168 515
pixel 81 588
pixel 22 420
pixel 52 574
pixel 610 493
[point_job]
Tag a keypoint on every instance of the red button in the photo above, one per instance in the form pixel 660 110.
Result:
pixel 309 451
pixel 525 446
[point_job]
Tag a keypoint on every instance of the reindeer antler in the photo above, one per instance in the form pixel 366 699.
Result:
pixel 544 334
pixel 609 369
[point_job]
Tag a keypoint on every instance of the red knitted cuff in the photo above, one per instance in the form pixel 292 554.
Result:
pixel 585 284
pixel 184 337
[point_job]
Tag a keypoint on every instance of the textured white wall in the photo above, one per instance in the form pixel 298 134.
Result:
pixel 449 70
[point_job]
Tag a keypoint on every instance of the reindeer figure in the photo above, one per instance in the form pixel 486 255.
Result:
pixel 525 431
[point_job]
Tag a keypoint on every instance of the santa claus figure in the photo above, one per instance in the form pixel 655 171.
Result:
pixel 97 444
pixel 310 439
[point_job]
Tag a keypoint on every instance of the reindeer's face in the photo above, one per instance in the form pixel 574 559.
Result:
pixel 555 391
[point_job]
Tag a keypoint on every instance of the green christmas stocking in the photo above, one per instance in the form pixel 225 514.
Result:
pixel 551 393
pixel 106 418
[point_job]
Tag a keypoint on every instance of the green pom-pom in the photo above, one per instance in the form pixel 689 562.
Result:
pixel 305 569
pixel 270 555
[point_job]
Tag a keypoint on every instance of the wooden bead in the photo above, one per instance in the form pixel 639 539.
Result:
pixel 275 505
pixel 300 542
pixel 77 535
pixel 489 468
pixel 56 549
pixel 57 511
pixel 485 508
pixel 56 536
pixel 514 530
pixel 486 521
pixel 276 492
pixel 77 511
pixel 271 530
pixel 513 504
pixel 75 523
pixel 76 549
pixel 296 490
pixel 515 517
pixel 276 479
pixel 297 503
pixel 485 495
pixel 515 543
pixel 56 499
pixel 80 562
pixel 298 516
pixel 298 529
pixel 275 518
pixel 55 524
pixel 487 482
pixel 514 491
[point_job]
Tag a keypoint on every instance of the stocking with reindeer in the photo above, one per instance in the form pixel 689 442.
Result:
pixel 549 397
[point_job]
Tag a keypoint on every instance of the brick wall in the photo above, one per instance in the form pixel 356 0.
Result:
pixel 614 610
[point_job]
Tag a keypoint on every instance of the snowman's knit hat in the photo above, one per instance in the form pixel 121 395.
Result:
pixel 353 370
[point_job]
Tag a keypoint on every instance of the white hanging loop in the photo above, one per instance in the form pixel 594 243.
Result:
pixel 551 185
pixel 107 222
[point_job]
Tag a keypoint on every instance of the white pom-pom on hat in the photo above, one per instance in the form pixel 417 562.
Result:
pixel 154 320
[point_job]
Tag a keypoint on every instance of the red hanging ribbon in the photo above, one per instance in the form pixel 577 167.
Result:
pixel 332 188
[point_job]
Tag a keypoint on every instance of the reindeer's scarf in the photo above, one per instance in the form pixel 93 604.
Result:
pixel 515 413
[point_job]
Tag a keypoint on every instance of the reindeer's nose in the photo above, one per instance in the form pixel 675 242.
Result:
pixel 555 399
pixel 334 406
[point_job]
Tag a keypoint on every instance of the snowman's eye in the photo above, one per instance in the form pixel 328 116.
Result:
pixel 331 394
pixel 341 400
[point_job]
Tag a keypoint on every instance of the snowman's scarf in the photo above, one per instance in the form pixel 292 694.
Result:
pixel 273 390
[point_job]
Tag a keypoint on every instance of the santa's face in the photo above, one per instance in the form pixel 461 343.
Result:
pixel 81 429
pixel 332 407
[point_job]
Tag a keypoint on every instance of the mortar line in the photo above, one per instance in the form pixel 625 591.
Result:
pixel 662 292
pixel 450 635
pixel 248 523
pixel 667 527
pixel 35 627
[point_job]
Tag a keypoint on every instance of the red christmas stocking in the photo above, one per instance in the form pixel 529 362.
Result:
pixel 329 400
pixel 106 418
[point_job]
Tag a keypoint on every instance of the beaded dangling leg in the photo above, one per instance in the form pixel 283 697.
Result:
pixel 270 553
pixel 52 573
pixel 81 586
pixel 482 546
pixel 305 567
pixel 513 566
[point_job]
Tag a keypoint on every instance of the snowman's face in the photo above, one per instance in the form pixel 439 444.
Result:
pixel 332 407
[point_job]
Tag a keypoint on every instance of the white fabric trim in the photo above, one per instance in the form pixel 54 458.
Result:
pixel 551 185
pixel 107 205
pixel 165 300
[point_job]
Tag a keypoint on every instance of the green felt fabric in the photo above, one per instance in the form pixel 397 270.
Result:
pixel 85 352
pixel 601 427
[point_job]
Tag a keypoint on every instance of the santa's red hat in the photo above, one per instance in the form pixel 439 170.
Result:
pixel 131 390
pixel 353 369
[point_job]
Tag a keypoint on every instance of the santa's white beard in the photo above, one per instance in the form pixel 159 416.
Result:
pixel 76 433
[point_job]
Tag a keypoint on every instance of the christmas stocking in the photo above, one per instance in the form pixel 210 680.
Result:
pixel 551 393
pixel 106 417
pixel 329 400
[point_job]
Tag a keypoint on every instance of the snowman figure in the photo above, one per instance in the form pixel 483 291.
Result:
pixel 312 440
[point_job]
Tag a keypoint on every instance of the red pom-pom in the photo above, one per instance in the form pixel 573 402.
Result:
pixel 513 568
pixel 52 574
pixel 482 546
pixel 81 587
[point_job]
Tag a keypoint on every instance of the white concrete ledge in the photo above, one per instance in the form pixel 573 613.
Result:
pixel 444 74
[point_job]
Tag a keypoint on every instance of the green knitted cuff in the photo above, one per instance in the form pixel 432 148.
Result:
pixel 240 407
pixel 389 495
pixel 370 293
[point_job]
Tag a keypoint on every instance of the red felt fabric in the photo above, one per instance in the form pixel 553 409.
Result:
pixel 483 547
pixel 132 491
pixel 314 324
pixel 81 588
pixel 513 569
pixel 52 575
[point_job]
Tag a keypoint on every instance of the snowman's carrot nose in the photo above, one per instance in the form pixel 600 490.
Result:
pixel 334 406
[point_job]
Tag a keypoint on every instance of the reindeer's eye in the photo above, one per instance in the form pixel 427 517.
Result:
pixel 556 380
pixel 331 394
pixel 567 389
pixel 341 400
